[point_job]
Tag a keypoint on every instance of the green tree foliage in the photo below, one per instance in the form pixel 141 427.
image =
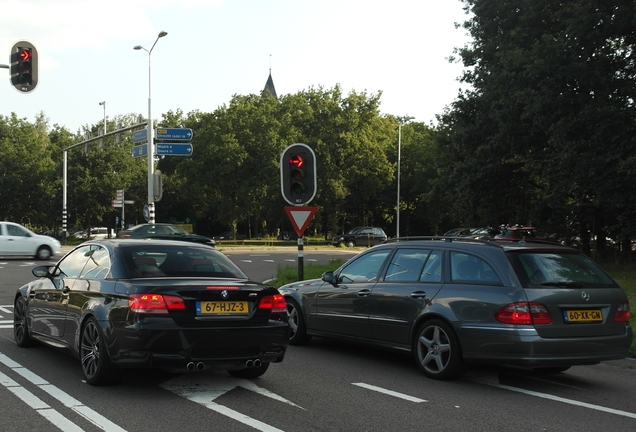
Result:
pixel 547 129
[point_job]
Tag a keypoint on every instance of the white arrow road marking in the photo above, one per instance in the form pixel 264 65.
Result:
pixel 207 389
pixel 389 392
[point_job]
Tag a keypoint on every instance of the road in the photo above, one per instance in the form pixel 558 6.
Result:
pixel 323 386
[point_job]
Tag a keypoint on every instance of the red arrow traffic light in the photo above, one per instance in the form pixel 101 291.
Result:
pixel 296 161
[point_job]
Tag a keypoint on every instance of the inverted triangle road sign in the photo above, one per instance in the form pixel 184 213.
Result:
pixel 300 217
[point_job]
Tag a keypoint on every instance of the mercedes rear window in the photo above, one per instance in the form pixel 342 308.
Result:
pixel 558 269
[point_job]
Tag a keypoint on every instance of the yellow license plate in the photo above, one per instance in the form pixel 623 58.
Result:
pixel 591 315
pixel 222 308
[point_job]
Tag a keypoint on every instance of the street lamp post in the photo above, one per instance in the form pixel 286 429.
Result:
pixel 401 121
pixel 104 105
pixel 150 134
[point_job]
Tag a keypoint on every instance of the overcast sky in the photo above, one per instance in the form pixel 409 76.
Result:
pixel 216 49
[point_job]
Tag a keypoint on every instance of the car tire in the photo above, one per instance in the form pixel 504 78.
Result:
pixel 20 324
pixel 93 354
pixel 253 372
pixel 44 253
pixel 297 327
pixel 437 351
pixel 350 243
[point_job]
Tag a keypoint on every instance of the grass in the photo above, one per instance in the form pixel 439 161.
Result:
pixel 624 275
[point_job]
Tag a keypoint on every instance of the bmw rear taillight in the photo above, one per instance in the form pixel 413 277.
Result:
pixel 155 303
pixel 524 313
pixel 622 313
pixel 276 303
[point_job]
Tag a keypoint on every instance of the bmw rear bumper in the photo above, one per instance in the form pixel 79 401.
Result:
pixel 176 349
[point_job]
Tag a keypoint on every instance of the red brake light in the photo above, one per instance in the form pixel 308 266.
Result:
pixel 622 313
pixel 154 303
pixel 276 303
pixel 524 313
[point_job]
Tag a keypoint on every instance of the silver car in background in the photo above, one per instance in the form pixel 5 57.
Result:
pixel 17 240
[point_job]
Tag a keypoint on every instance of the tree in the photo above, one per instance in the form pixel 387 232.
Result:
pixel 547 127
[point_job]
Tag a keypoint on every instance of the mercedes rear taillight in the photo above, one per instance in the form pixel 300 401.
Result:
pixel 524 313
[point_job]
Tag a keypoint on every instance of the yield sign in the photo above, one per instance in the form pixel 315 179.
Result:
pixel 300 217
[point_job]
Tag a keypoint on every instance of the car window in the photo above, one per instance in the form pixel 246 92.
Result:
pixel 98 263
pixel 15 230
pixel 73 264
pixel 365 268
pixel 468 268
pixel 415 265
pixel 551 269
pixel 179 261
pixel 406 265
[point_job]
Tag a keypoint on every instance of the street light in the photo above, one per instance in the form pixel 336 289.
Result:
pixel 401 121
pixel 104 104
pixel 150 135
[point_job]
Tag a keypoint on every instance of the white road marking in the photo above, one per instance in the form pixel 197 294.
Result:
pixel 207 389
pixel 564 400
pixel 390 392
pixel 67 400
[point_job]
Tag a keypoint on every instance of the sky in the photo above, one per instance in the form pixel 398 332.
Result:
pixel 219 48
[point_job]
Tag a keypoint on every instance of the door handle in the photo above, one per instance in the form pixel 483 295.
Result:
pixel 418 294
pixel 363 293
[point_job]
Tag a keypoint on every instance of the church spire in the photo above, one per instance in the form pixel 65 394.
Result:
pixel 269 85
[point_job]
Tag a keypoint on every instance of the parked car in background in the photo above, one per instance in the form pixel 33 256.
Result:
pixel 454 301
pixel 17 240
pixel 459 232
pixel 163 231
pixel 179 306
pixel 360 236
pixel 228 236
pixel 519 232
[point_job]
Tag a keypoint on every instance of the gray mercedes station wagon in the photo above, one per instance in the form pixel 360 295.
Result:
pixel 452 301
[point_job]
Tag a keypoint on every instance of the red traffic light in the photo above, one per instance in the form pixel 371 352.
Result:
pixel 25 55
pixel 296 161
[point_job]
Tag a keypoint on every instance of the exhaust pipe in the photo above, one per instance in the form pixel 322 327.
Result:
pixel 253 363
pixel 200 366
pixel 190 366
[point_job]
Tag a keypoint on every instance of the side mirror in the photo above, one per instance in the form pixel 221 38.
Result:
pixel 329 278
pixel 41 271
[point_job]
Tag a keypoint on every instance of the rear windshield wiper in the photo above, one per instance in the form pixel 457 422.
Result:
pixel 567 284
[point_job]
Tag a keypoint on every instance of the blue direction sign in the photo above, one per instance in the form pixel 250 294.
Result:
pixel 174 149
pixel 140 150
pixel 173 134
pixel 140 135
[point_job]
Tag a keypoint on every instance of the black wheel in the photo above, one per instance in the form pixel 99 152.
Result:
pixel 20 325
pixel 297 330
pixel 253 372
pixel 44 253
pixel 437 351
pixel 350 243
pixel 95 362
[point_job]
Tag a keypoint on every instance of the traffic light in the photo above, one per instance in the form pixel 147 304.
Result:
pixel 24 66
pixel 298 174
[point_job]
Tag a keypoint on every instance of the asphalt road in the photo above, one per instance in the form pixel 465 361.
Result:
pixel 323 386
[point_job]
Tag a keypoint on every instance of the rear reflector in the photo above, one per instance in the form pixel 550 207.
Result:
pixel 276 303
pixel 154 303
pixel 622 313
pixel 524 313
